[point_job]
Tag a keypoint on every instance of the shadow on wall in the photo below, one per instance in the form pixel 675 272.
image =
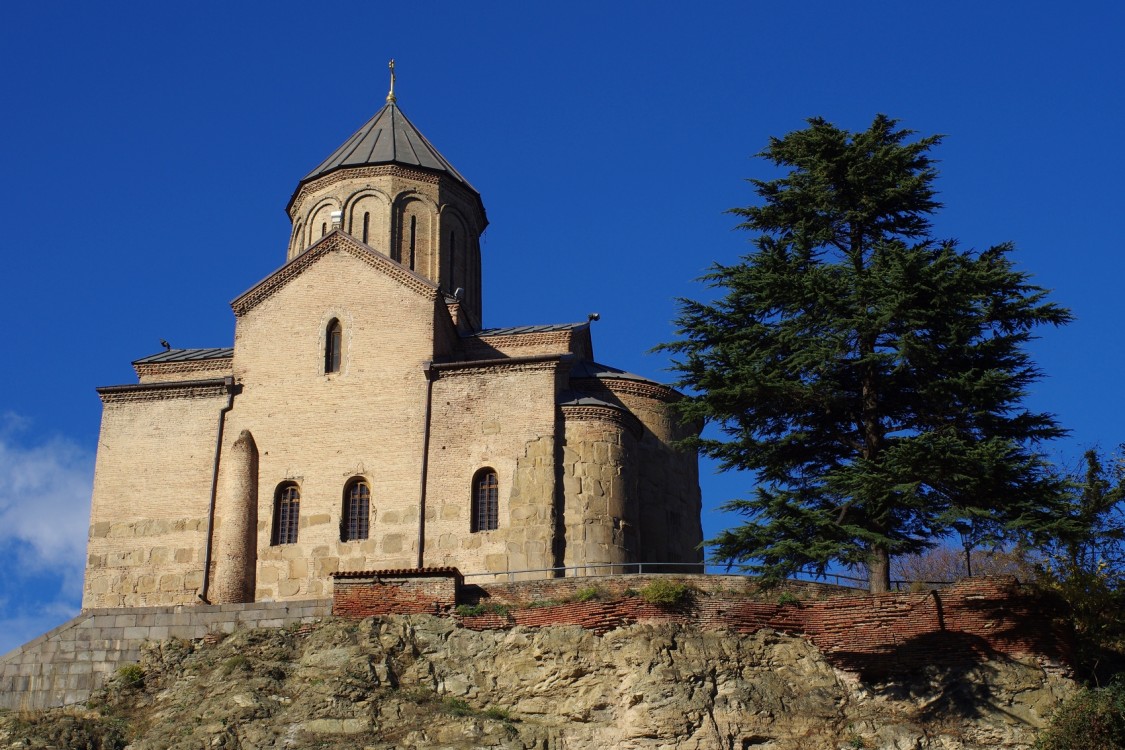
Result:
pixel 956 688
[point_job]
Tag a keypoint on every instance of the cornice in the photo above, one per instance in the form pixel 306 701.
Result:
pixel 177 389
pixel 540 362
pixel 655 391
pixel 521 339
pixel 335 240
pixel 589 413
pixel 381 170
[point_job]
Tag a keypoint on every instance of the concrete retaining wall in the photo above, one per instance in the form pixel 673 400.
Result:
pixel 65 665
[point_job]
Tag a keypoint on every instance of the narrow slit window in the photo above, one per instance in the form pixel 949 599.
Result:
pixel 356 521
pixel 486 501
pixel 323 228
pixel 333 346
pixel 366 225
pixel 413 238
pixel 286 514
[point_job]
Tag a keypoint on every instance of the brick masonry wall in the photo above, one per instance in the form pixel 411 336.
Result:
pixel 358 598
pixel 873 636
pixel 65 665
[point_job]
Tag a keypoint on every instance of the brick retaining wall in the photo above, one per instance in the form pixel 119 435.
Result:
pixel 873 636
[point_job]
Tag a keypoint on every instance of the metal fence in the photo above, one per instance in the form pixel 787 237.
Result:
pixel 596 570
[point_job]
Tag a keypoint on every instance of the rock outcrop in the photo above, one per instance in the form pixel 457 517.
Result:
pixel 425 682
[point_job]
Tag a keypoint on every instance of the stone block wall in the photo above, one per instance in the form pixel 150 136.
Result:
pixel 65 665
pixel 500 416
pixel 152 486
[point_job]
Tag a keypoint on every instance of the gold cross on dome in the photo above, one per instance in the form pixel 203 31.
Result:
pixel 391 96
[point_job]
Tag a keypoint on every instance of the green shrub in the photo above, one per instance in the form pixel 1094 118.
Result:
pixel 664 592
pixel 587 594
pixel 497 713
pixel 629 592
pixel 1092 720
pixel 787 597
pixel 130 676
pixel 456 707
pixel 238 662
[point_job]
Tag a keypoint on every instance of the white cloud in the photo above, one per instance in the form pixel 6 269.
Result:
pixel 44 499
pixel 44 515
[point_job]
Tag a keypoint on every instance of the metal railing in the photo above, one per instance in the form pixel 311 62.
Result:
pixel 602 570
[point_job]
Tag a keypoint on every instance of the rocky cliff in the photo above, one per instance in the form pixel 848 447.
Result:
pixel 424 682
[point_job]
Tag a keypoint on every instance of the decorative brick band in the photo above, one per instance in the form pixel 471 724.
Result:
pixel 603 414
pixel 534 363
pixel 170 368
pixel 654 391
pixel 114 394
pixel 562 338
pixel 382 170
pixel 335 240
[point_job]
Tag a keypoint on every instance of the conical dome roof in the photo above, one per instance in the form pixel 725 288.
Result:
pixel 387 138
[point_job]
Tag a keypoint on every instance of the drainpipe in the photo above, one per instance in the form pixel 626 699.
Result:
pixel 431 375
pixel 228 383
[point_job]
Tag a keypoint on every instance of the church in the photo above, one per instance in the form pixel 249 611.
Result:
pixel 366 419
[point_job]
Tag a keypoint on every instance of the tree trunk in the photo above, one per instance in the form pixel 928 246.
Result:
pixel 879 570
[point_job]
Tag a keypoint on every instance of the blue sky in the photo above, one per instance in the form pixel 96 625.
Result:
pixel 148 151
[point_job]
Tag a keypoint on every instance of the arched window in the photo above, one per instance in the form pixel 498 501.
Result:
pixel 366 225
pixel 286 513
pixel 356 520
pixel 333 345
pixel 323 228
pixel 486 501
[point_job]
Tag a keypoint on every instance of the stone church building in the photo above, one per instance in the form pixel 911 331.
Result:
pixel 365 419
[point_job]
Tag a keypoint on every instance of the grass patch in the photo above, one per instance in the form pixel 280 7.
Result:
pixel 665 593
pixel 786 597
pixel 473 610
pixel 129 676
pixel 456 707
pixel 498 714
pixel 542 603
pixel 237 663
pixel 588 594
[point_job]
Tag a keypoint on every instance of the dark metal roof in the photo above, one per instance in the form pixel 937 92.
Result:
pixel 516 330
pixel 186 355
pixel 570 398
pixel 387 138
pixel 587 369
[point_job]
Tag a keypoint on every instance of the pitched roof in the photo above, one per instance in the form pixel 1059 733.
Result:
pixel 387 138
pixel 186 355
pixel 588 369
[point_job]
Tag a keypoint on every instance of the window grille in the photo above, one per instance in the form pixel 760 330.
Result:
pixel 357 511
pixel 286 514
pixel 486 501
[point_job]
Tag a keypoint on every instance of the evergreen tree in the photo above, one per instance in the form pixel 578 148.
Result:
pixel 870 375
